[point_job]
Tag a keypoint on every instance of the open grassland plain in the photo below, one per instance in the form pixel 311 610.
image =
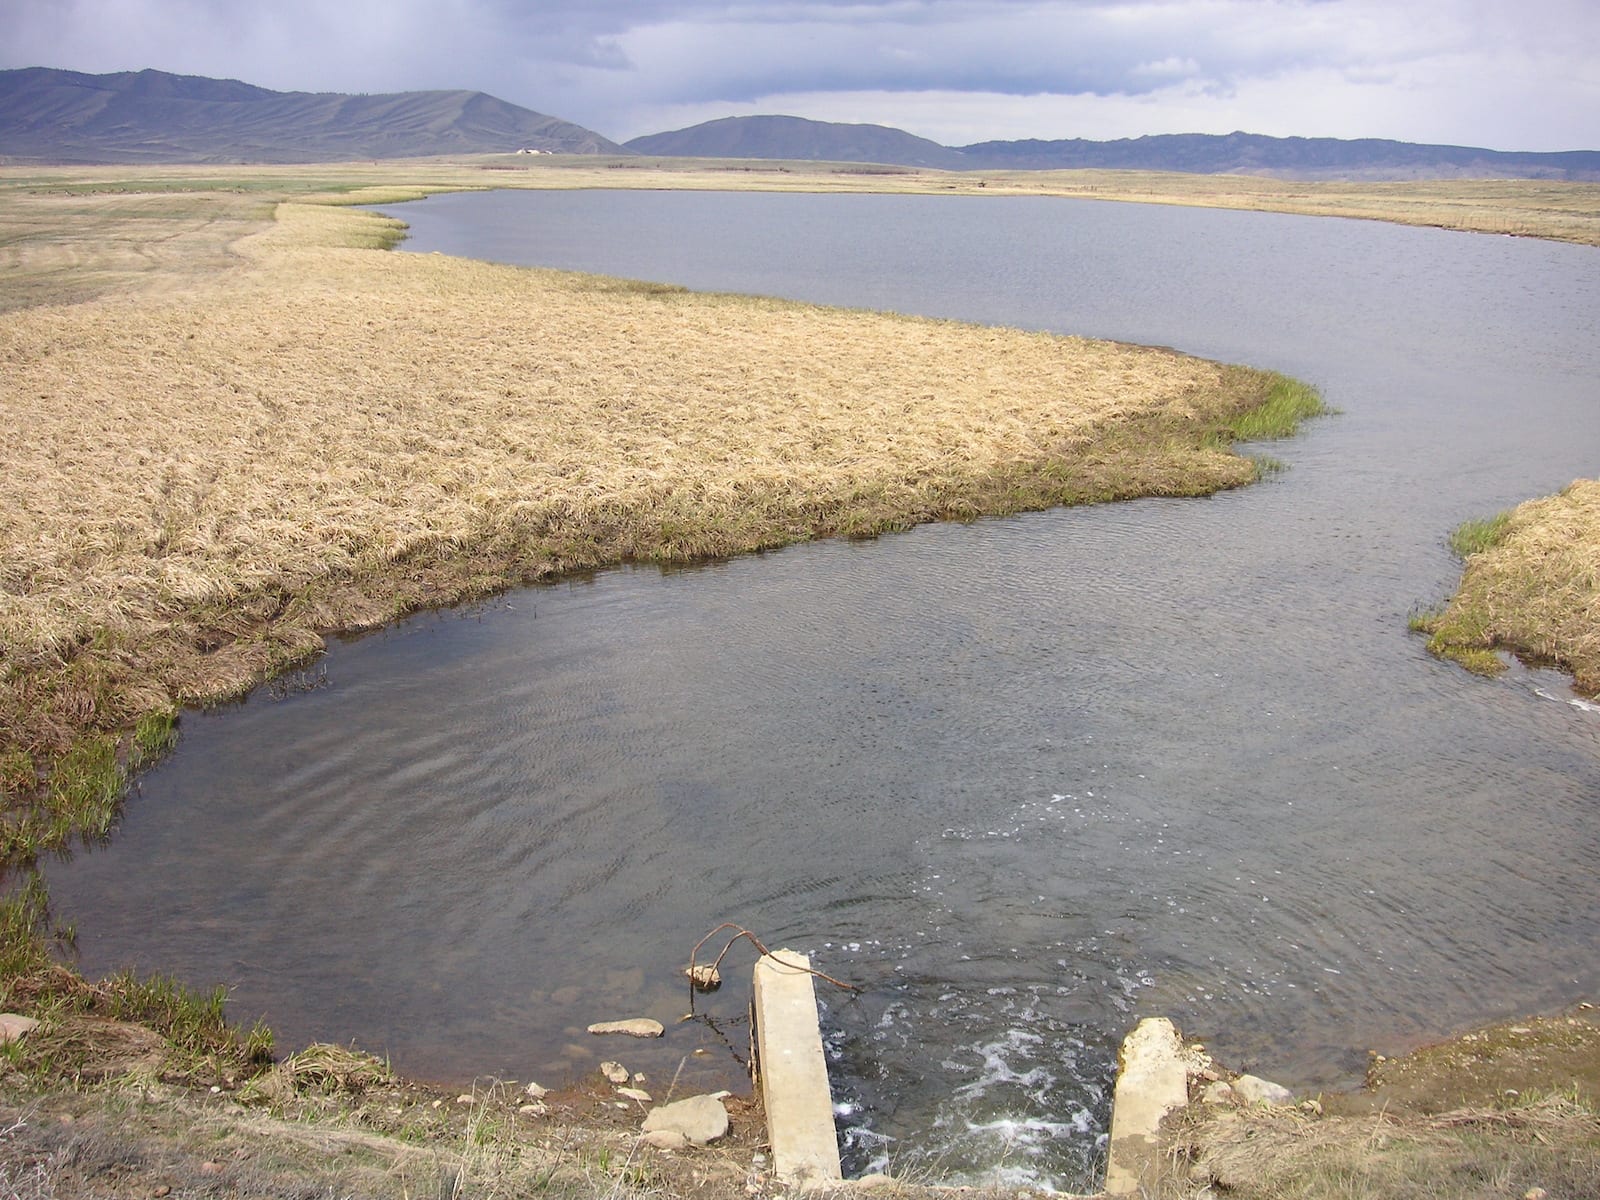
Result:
pixel 1531 586
pixel 1520 207
pixel 204 472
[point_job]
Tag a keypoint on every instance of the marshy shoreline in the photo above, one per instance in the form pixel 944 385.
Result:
pixel 205 480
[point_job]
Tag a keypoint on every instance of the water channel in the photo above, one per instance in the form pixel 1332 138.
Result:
pixel 1022 779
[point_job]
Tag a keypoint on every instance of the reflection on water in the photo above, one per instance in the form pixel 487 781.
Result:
pixel 1024 780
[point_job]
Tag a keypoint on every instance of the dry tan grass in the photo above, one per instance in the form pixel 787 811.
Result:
pixel 152 239
pixel 1535 591
pixel 1524 207
pixel 1478 1154
pixel 201 474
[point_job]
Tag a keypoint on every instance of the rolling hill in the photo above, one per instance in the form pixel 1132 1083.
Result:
pixel 1205 154
pixel 151 117
pixel 797 139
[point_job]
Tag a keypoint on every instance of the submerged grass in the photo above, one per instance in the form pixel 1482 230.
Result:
pixel 198 1042
pixel 1530 585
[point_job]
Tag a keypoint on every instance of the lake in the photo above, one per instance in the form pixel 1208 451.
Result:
pixel 1023 780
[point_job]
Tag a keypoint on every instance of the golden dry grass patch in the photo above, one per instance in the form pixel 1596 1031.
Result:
pixel 1535 591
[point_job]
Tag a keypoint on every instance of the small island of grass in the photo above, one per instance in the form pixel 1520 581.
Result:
pixel 1530 586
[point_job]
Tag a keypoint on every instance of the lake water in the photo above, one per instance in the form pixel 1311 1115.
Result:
pixel 1023 780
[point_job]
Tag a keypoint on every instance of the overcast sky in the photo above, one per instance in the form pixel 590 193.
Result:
pixel 1507 74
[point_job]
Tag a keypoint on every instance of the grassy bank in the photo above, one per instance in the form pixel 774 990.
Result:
pixel 1530 585
pixel 1511 1110
pixel 262 439
pixel 100 1106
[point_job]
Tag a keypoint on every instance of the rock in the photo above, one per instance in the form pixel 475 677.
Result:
pixel 535 1092
pixel 14 1027
pixel 1218 1093
pixel 1535 1193
pixel 640 1027
pixel 533 1110
pixel 614 1072
pixel 1253 1090
pixel 632 1093
pixel 869 1182
pixel 701 1119
pixel 704 977
pixel 666 1139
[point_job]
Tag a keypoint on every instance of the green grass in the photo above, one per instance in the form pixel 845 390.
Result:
pixel 1474 537
pixel 1459 632
pixel 24 925
pixel 85 788
pixel 1288 403
pixel 194 1022
pixel 154 734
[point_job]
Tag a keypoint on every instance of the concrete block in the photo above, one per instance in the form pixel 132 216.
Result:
pixel 1152 1082
pixel 794 1073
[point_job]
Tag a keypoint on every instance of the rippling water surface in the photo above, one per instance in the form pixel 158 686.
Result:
pixel 1024 779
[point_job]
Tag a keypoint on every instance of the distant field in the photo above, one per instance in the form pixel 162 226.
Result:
pixel 1527 208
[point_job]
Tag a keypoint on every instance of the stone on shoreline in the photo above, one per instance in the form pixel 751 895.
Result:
pixel 1254 1090
pixel 614 1072
pixel 666 1139
pixel 639 1027
pixel 701 1119
pixel 14 1027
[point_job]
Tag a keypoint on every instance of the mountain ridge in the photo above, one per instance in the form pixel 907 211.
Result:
pixel 773 137
pixel 152 116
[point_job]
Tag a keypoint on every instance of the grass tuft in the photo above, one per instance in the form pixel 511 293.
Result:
pixel 1474 537
pixel 154 734
pixel 1288 403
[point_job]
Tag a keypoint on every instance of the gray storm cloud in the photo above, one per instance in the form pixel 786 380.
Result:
pixel 1526 72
